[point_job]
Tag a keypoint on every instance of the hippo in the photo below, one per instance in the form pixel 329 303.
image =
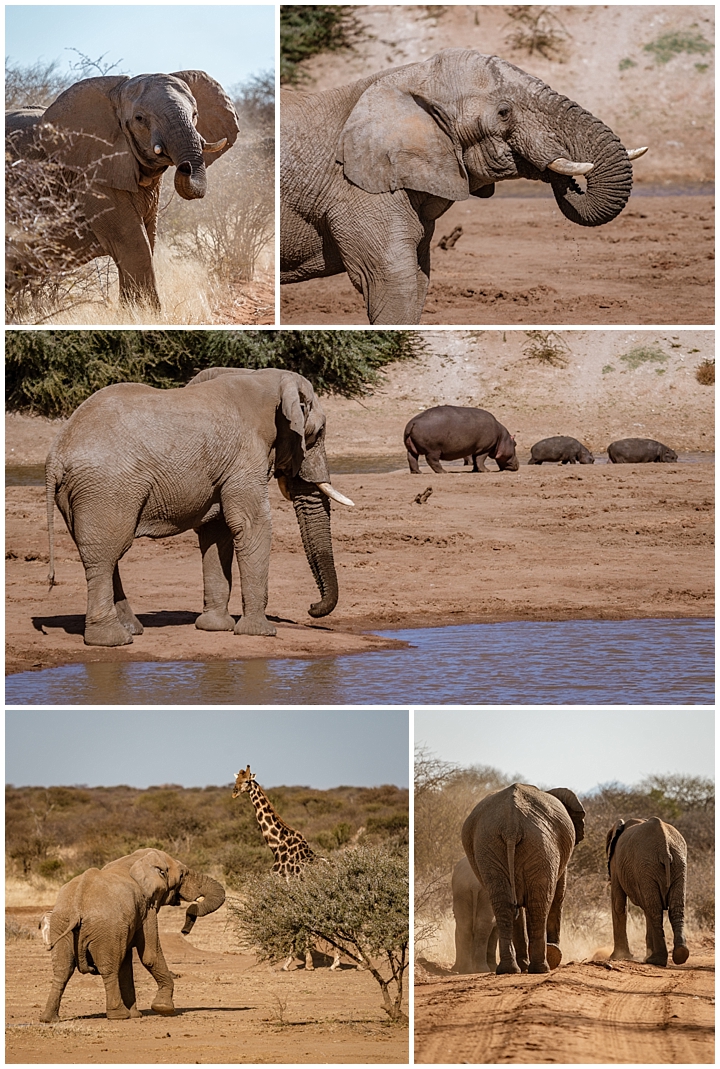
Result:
pixel 451 432
pixel 560 449
pixel 640 451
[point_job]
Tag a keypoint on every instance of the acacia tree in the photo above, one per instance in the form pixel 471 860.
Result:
pixel 357 902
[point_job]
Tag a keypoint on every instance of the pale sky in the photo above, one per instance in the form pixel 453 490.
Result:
pixel 577 749
pixel 200 748
pixel 230 42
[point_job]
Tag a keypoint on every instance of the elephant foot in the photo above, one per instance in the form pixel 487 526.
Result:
pixel 49 1018
pixel 128 618
pixel 538 967
pixel 254 625
pixel 657 959
pixel 215 620
pixel 554 955
pixel 165 1009
pixel 135 1012
pixel 621 955
pixel 120 1013
pixel 680 954
pixel 110 633
pixel 506 967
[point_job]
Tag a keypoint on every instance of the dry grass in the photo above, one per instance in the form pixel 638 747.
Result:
pixel 705 372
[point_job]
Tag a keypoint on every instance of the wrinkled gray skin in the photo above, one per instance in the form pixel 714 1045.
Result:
pixel 640 451
pixel 366 169
pixel 560 449
pixel 101 915
pixel 449 432
pixel 647 863
pixel 475 929
pixel 133 461
pixel 518 842
pixel 123 134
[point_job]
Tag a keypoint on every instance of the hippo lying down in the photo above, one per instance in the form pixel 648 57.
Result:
pixel 560 449
pixel 640 451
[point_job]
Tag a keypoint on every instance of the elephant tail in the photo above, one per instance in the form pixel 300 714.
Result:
pixel 510 845
pixel 50 487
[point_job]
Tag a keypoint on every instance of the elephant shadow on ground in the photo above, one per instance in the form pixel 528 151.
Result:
pixel 75 624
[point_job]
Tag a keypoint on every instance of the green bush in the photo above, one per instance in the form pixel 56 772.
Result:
pixel 671 44
pixel 357 902
pixel 51 372
pixel 306 30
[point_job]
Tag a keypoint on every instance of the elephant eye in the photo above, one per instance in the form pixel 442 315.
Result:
pixel 139 118
pixel 504 111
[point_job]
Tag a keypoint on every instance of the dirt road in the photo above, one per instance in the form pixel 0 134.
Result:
pixel 586 1012
pixel 230 1009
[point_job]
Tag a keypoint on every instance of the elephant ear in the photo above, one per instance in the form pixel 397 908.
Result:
pixel 575 810
pixel 217 117
pixel 290 422
pixel 612 838
pixel 93 141
pixel 213 372
pixel 395 139
pixel 151 874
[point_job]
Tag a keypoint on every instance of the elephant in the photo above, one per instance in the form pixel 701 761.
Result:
pixel 560 449
pixel 518 842
pixel 134 461
pixel 475 929
pixel 367 168
pixel 640 451
pixel 449 432
pixel 647 863
pixel 121 134
pixel 102 914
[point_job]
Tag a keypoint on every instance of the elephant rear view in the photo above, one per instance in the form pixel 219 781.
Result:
pixel 518 842
pixel 133 462
pixel 647 863
pixel 367 168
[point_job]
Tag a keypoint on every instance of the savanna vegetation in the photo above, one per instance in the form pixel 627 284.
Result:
pixel 50 372
pixel 57 832
pixel 306 30
pixel 446 793
pixel 211 256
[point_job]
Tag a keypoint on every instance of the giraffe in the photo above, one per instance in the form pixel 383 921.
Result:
pixel 290 848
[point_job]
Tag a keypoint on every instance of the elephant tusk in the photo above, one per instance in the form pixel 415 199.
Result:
pixel 157 149
pixel 216 146
pixel 563 166
pixel 282 483
pixel 329 490
pixel 636 153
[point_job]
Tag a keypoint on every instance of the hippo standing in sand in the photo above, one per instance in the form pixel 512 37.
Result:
pixel 451 432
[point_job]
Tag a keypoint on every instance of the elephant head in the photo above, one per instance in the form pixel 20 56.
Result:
pixel 204 894
pixel 150 872
pixel 575 810
pixel 125 132
pixel 301 469
pixel 458 123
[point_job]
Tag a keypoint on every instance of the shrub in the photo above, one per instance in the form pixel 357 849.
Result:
pixel 546 347
pixel 705 372
pixel 537 29
pixel 357 902
pixel 306 30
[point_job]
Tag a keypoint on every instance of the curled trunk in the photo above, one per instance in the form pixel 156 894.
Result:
pixel 312 509
pixel 185 149
pixel 195 886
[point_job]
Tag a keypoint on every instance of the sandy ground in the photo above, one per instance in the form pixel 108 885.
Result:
pixel 519 260
pixel 546 543
pixel 584 1012
pixel 230 1009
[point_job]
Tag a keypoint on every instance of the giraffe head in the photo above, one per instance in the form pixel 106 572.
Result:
pixel 242 781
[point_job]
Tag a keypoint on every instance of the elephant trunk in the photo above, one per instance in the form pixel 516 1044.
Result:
pixel 312 509
pixel 196 885
pixel 185 149
pixel 581 137
pixel 610 180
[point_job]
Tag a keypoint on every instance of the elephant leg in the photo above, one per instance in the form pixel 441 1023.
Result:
pixel 63 967
pixel 102 626
pixel 492 943
pixel 122 606
pixel 655 935
pixel 505 920
pixel 115 1008
pixel 147 942
pixel 618 904
pixel 127 985
pixel 536 920
pixel 520 941
pixel 433 460
pixel 216 546
pixel 553 952
pixel 381 258
pixel 676 915
pixel 247 514
pixel 117 222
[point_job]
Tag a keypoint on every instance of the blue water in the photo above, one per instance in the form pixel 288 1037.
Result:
pixel 573 662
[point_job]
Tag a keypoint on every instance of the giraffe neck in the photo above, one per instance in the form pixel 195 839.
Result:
pixel 290 849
